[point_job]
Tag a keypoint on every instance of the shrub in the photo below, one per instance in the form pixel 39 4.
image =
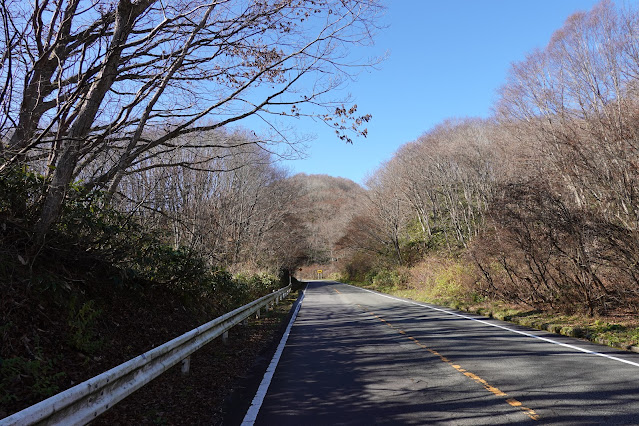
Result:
pixel 35 378
pixel 445 279
pixel 82 325
pixel 392 278
pixel 258 285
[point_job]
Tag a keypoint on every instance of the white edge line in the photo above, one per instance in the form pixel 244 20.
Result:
pixel 635 364
pixel 256 404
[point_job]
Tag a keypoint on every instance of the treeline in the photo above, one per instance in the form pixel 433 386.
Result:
pixel 542 198
pixel 327 205
pixel 231 204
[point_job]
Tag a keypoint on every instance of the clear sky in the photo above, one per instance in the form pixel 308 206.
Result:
pixel 447 59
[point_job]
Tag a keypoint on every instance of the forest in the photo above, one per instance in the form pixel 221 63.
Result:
pixel 129 197
pixel 536 205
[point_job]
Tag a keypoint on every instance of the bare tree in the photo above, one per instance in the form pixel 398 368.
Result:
pixel 568 221
pixel 388 212
pixel 234 206
pixel 86 79
pixel 448 177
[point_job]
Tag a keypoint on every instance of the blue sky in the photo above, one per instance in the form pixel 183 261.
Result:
pixel 447 59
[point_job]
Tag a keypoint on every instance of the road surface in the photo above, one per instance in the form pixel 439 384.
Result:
pixel 359 357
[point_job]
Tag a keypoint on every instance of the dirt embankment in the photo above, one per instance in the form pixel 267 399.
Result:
pixel 50 344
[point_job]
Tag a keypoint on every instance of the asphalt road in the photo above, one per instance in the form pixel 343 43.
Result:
pixel 358 357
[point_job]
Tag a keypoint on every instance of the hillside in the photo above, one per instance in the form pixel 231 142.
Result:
pixel 327 204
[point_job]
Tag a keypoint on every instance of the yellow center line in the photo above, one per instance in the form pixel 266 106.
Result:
pixel 494 390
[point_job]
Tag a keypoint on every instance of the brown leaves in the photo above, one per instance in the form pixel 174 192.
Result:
pixel 344 117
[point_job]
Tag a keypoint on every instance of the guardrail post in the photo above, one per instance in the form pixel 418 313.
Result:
pixel 225 337
pixel 257 314
pixel 186 365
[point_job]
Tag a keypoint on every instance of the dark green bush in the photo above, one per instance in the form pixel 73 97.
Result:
pixel 36 379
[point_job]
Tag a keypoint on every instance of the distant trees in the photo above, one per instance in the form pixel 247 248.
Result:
pixel 448 176
pixel 432 194
pixel 105 86
pixel 387 215
pixel 231 204
pixel 325 205
pixel 238 208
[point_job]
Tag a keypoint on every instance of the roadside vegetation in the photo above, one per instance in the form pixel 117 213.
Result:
pixel 102 289
pixel 530 215
pixel 448 282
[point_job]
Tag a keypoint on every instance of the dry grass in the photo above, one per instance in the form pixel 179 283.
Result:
pixel 454 283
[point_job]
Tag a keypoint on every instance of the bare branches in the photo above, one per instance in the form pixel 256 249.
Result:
pixel 561 229
pixel 230 202
pixel 81 76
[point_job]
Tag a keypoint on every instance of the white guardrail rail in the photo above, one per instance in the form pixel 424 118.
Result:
pixel 87 400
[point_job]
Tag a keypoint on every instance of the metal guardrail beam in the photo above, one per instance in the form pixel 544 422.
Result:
pixel 87 400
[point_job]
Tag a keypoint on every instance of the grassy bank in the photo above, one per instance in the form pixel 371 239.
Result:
pixel 448 282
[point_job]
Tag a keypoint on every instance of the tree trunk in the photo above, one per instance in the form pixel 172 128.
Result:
pixel 54 199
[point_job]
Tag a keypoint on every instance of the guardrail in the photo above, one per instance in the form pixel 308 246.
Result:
pixel 87 400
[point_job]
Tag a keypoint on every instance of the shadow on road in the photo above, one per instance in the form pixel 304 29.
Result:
pixel 344 366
